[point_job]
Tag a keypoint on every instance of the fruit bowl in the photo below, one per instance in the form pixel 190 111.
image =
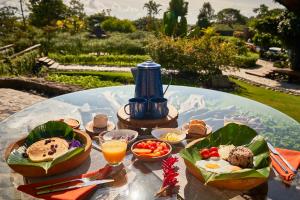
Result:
pixel 142 150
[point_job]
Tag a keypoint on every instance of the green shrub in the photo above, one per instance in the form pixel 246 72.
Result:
pixel 117 43
pixel 23 64
pixel 112 60
pixel 83 81
pixel 266 40
pixel 7 52
pixel 121 77
pixel 206 56
pixel 281 64
pixel 246 61
pixel 114 24
pixel 239 44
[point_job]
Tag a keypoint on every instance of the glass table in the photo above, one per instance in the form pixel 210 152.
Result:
pixel 140 180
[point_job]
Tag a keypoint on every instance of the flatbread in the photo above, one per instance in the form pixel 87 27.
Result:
pixel 47 149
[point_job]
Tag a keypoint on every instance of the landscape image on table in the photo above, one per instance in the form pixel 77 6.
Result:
pixel 150 99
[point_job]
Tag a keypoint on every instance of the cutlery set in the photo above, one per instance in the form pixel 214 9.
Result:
pixel 275 152
pixel 93 180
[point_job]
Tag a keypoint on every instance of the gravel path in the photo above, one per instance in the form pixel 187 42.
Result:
pixel 12 101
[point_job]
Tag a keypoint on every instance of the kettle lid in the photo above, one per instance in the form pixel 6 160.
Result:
pixel 149 64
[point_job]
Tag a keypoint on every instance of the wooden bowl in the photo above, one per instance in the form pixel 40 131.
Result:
pixel 233 184
pixel 33 171
pixel 149 159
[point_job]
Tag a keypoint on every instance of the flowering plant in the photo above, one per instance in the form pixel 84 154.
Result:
pixel 170 172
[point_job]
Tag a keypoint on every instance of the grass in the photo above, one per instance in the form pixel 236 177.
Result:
pixel 288 104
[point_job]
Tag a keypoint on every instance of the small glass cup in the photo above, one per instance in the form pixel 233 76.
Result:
pixel 114 151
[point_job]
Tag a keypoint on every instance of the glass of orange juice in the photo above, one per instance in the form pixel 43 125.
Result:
pixel 114 151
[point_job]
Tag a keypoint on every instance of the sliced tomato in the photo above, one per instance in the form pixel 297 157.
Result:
pixel 213 149
pixel 204 153
pixel 214 154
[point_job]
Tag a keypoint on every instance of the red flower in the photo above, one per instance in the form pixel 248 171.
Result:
pixel 170 172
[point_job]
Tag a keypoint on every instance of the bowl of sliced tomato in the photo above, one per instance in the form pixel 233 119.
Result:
pixel 151 150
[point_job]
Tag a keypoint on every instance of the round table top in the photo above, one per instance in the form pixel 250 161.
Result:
pixel 215 107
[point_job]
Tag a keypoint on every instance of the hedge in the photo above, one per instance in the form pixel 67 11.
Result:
pixel 246 61
pixel 110 60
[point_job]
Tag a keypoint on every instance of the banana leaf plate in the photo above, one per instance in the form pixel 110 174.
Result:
pixel 66 162
pixel 238 135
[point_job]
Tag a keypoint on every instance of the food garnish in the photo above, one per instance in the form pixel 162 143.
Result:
pixel 151 148
pixel 170 172
pixel 74 143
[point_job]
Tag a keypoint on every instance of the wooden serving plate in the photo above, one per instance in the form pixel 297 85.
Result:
pixel 149 159
pixel 124 118
pixel 234 184
pixel 32 171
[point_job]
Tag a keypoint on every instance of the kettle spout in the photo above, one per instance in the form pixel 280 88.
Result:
pixel 134 73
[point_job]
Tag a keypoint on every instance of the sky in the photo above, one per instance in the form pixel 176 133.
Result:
pixel 133 9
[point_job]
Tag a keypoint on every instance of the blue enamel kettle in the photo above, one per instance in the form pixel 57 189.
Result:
pixel 147 78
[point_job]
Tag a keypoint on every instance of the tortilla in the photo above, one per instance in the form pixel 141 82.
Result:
pixel 47 149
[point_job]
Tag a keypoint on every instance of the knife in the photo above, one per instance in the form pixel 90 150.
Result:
pixel 281 166
pixel 98 182
pixel 274 151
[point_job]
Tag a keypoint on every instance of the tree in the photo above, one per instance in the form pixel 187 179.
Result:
pixel 8 20
pixel 290 22
pixel 206 15
pixel 45 12
pixel 114 24
pixel 172 27
pixel 22 13
pixel 76 9
pixel 292 6
pixel 152 10
pixel 286 27
pixel 230 16
pixel 261 11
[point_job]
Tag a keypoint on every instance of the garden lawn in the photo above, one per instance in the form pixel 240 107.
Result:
pixel 288 104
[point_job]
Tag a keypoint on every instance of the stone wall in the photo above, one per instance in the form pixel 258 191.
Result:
pixel 38 85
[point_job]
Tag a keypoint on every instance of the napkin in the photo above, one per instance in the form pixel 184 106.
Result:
pixel 293 157
pixel 79 193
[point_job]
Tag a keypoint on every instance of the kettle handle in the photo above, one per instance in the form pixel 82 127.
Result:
pixel 170 82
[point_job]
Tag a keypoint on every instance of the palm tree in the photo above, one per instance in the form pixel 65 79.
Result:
pixel 152 10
